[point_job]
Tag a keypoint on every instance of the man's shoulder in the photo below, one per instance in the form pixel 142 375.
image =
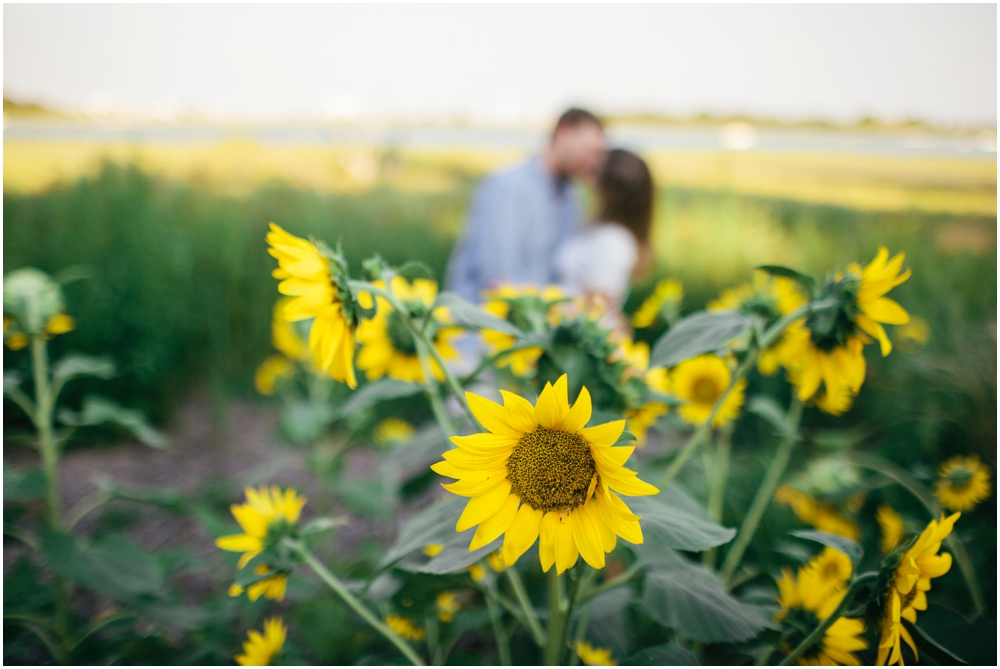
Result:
pixel 518 176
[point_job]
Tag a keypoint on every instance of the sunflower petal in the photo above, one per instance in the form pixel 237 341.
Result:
pixel 483 507
pixel 497 524
pixel 521 534
pixel 491 415
pixel 579 414
pixel 520 413
pixel 605 434
pixel 547 409
pixel 886 310
pixel 547 529
pixel 587 536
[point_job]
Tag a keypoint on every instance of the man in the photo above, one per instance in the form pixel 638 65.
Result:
pixel 519 216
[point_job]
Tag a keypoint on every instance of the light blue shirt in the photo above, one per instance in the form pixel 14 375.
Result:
pixel 517 219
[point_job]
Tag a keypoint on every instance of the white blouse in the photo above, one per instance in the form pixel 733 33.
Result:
pixel 598 259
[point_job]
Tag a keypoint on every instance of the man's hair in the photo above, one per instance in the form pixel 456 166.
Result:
pixel 574 117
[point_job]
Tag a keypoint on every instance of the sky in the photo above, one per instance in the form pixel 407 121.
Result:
pixel 508 64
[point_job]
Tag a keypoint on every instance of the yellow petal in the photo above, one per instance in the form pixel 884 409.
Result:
pixel 483 506
pixel 239 543
pixel 603 435
pixel 547 409
pixel 885 310
pixel 578 416
pixel 587 536
pixel 876 330
pixel 478 483
pixel 497 524
pixel 451 471
pixel 565 546
pixel 520 413
pixel 491 415
pixel 521 534
pixel 547 529
pixel 251 520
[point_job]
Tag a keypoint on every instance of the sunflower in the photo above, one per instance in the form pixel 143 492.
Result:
pixel 285 336
pixel 666 297
pixel 15 341
pixel 892 527
pixel 809 598
pixel 910 581
pixel 914 334
pixel 827 346
pixel 266 513
pixel 700 382
pixel 405 627
pixel 387 345
pixel 276 367
pixel 820 515
pixel 594 657
pixel 643 418
pixel 540 474
pixel 634 354
pixel 502 303
pixel 306 275
pixel 258 649
pixel 392 431
pixel 59 324
pixel 963 483
pixel 447 605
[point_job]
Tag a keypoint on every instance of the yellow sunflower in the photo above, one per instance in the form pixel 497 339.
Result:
pixel 595 657
pixel 258 649
pixel 392 431
pixel 700 382
pixel 841 369
pixel 405 628
pixel 305 275
pixel 276 367
pixel 59 324
pixel 907 591
pixel 15 341
pixel 387 345
pixel 540 474
pixel 879 277
pixel 820 515
pixel 523 362
pixel 264 511
pixel 668 293
pixel 643 418
pixel 634 354
pixel 284 336
pixel 892 527
pixel 810 598
pixel 447 605
pixel 963 483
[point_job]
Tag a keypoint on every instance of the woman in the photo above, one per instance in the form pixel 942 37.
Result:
pixel 600 261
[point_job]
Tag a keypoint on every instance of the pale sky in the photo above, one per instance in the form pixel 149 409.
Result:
pixel 509 63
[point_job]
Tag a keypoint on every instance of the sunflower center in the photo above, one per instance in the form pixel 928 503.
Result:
pixel 399 334
pixel 960 479
pixel 705 390
pixel 829 571
pixel 551 469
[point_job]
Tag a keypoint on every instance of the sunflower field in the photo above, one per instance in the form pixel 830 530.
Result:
pixel 781 463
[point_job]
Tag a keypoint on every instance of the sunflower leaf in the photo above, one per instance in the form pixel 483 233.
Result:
pixel 668 655
pixel 845 546
pixel 434 525
pixel 470 315
pixel 698 333
pixel 456 556
pixel 768 409
pixel 383 389
pixel 805 280
pixel 75 365
pixel 100 410
pixel 666 523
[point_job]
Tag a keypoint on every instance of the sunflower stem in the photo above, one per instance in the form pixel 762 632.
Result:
pixel 579 637
pixel 334 583
pixel 817 634
pixel 765 492
pixel 902 477
pixel 433 392
pixel 720 479
pixel 499 633
pixel 558 618
pixel 534 627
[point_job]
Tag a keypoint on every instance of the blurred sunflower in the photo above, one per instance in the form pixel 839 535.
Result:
pixel 892 527
pixel 405 628
pixel 909 582
pixel 507 302
pixel 700 382
pixel 59 324
pixel 810 598
pixel 387 345
pixel 643 418
pixel 274 368
pixel 284 335
pixel 15 341
pixel 306 275
pixel 962 483
pixel 665 299
pixel 820 515
pixel 540 474
pixel 392 431
pixel 635 355
pixel 447 606
pixel 594 657
pixel 258 649
pixel 272 588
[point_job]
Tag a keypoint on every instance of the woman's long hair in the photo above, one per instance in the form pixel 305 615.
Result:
pixel 626 192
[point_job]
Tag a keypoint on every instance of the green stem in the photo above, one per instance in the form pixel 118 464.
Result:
pixel 43 414
pixel 902 477
pixel 720 479
pixel 433 638
pixel 579 637
pixel 534 627
pixel 85 506
pixel 765 492
pixel 334 583
pixel 558 606
pixel 817 634
pixel 433 392
pixel 499 633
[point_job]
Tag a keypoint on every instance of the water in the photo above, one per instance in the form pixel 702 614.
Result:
pixel 914 144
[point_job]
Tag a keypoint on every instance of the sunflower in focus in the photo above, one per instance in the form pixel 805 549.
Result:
pixel 963 482
pixel 810 597
pixel 388 348
pixel 907 589
pixel 826 348
pixel 265 517
pixel 309 277
pixel 538 473
pixel 892 527
pixel 259 649
pixel 594 657
pixel 665 299
pixel 521 306
pixel 700 382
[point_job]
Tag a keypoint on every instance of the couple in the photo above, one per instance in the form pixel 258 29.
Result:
pixel 525 224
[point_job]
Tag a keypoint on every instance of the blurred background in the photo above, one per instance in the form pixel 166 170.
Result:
pixel 153 144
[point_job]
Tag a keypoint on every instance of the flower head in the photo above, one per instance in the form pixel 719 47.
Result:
pixel 318 285
pixel 644 417
pixel 820 515
pixel 529 309
pixel 909 582
pixel 540 474
pixel 664 300
pixel 388 348
pixel 700 382
pixel 963 482
pixel 405 628
pixel 447 606
pixel 285 336
pixel 276 367
pixel 259 649
pixel 393 431
pixel 595 657
pixel 892 527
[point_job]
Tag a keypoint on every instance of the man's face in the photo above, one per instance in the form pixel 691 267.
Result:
pixel 580 150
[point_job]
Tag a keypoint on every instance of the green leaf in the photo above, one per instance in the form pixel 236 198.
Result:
pixel 692 601
pixel 99 410
pixel 23 486
pixel 434 525
pixel 423 450
pixel 608 624
pixel 805 280
pixel 75 365
pixel 456 556
pixel 11 381
pixel 698 333
pixel 114 566
pixel 669 525
pixel 468 314
pixel 383 389
pixel 845 546
pixel 953 635
pixel 668 654
pixel 366 497
pixel 768 409
pixel 162 497
pixel 303 422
